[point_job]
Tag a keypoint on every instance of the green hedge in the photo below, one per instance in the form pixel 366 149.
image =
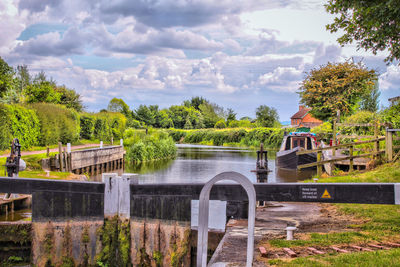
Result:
pixel 18 122
pixel 57 124
pixel 271 137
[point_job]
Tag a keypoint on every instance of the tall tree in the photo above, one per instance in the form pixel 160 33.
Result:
pixel 70 98
pixel 195 102
pixel 373 24
pixel 336 86
pixel 370 102
pixel 6 77
pixel 118 105
pixel 266 116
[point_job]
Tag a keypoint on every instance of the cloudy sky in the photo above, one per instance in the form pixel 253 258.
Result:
pixel 239 54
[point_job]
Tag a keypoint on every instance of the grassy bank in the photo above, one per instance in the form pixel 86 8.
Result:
pixel 34 168
pixel 247 137
pixel 373 223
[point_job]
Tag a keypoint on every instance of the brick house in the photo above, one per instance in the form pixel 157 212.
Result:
pixel 303 118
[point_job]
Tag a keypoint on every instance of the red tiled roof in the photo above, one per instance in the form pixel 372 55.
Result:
pixel 301 113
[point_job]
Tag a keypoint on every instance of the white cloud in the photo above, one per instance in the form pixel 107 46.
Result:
pixel 281 79
pixel 390 79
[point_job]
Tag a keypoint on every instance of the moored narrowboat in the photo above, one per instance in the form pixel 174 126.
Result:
pixel 286 157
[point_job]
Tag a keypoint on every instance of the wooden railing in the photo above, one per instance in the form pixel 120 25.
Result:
pixel 350 157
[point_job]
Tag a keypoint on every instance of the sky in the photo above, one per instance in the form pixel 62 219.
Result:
pixel 239 54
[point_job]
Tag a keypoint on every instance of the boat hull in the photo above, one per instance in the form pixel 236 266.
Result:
pixel 288 159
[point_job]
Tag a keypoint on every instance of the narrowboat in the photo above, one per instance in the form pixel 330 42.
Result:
pixel 286 157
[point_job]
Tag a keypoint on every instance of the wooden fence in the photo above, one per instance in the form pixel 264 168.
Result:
pixel 389 150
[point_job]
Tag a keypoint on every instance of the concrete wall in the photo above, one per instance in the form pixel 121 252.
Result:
pixel 65 240
pixel 91 157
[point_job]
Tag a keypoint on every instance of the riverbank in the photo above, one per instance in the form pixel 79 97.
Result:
pixel 366 224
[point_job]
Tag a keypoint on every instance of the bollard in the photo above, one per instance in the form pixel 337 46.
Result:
pixel 289 232
pixel 101 144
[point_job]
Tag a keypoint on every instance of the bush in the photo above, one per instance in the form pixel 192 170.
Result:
pixel 18 122
pixel 57 124
pixel 109 124
pixel 87 127
pixel 155 145
pixel 391 115
pixel 220 124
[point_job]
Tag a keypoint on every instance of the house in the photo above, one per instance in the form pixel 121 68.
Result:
pixel 303 118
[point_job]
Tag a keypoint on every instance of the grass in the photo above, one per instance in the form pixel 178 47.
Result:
pixel 376 223
pixel 34 168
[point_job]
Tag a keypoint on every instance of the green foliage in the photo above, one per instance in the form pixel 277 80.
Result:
pixel 57 124
pixel 271 137
pixel 220 124
pixel 18 122
pixel 372 24
pixel 241 124
pixel 391 115
pixel 69 98
pixel 323 131
pixel 370 102
pixel 115 241
pixel 118 105
pixel 211 113
pixel 109 124
pixel 266 116
pixel 43 91
pixel 155 145
pixel 360 117
pixel 87 126
pixel 6 77
pixel 336 86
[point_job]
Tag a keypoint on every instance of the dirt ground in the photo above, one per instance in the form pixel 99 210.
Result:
pixel 271 222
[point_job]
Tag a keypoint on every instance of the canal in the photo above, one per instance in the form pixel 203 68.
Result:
pixel 199 163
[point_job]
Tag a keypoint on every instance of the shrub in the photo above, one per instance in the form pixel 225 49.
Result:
pixel 87 126
pixel 57 124
pixel 18 122
pixel 155 145
pixel 220 124
pixel 109 124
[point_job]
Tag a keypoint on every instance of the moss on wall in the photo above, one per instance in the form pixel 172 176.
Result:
pixel 115 241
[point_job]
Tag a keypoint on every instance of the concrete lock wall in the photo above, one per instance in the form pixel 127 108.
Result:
pixel 86 227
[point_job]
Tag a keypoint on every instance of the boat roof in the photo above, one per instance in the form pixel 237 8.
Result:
pixel 302 134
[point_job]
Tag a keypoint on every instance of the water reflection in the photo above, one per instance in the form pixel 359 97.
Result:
pixel 198 164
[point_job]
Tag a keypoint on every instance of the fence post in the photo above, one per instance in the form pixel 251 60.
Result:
pixel 351 167
pixel 334 138
pixel 319 166
pixel 376 143
pixel 389 145
pixel 60 155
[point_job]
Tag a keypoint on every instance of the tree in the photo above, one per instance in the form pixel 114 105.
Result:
pixel 373 24
pixel 118 105
pixel 370 102
pixel 70 98
pixel 6 77
pixel 266 116
pixel 195 102
pixel 230 115
pixel 336 86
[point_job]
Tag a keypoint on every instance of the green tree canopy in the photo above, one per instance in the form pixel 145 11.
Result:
pixel 266 116
pixel 6 77
pixel 336 86
pixel 373 24
pixel 118 105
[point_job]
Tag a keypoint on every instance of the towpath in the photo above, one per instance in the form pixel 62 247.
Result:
pixel 26 153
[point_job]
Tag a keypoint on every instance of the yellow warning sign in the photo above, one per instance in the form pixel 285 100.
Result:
pixel 326 194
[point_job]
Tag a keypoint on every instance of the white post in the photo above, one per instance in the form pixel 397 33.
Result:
pixel 110 194
pixel 101 144
pixel 69 147
pixel 202 237
pixel 121 142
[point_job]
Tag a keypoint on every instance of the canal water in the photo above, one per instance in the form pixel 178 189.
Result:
pixel 198 164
